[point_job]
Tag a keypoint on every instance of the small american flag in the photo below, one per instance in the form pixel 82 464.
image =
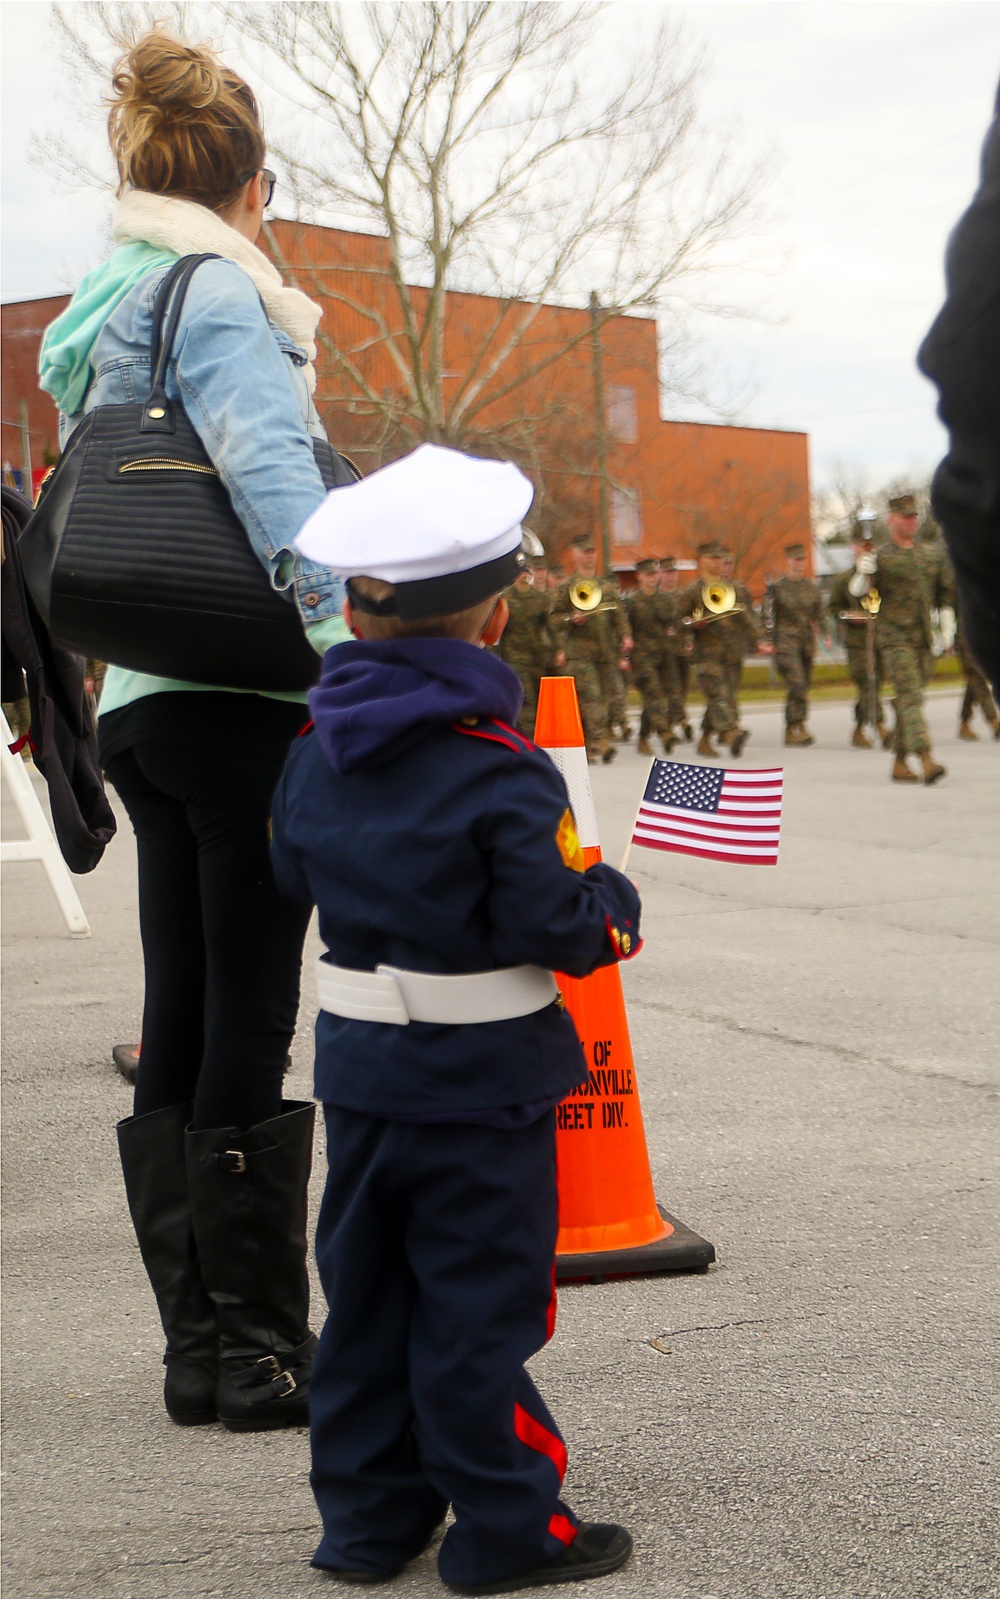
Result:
pixel 704 810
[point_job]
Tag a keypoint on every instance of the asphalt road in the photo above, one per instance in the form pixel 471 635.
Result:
pixel 817 1055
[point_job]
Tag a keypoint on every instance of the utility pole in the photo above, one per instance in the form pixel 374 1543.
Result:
pixel 601 434
pixel 26 451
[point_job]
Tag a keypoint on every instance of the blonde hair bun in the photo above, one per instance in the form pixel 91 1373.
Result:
pixel 182 123
pixel 163 75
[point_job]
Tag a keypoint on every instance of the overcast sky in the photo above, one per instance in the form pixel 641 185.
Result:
pixel 876 111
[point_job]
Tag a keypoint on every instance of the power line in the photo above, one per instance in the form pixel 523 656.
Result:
pixel 869 177
pixel 886 222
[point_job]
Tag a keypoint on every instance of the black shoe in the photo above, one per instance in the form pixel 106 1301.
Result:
pixel 152 1156
pixel 738 742
pixel 126 1059
pixel 599 1547
pixel 608 754
pixel 248 1206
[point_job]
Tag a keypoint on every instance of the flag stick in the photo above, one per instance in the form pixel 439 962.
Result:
pixel 631 831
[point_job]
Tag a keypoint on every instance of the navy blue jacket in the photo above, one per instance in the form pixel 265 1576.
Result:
pixel 430 835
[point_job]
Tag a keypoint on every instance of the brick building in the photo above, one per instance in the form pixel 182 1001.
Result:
pixel 527 378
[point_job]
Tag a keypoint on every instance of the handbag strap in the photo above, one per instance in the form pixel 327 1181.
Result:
pixel 157 413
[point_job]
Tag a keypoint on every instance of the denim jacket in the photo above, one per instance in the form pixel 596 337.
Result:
pixel 241 382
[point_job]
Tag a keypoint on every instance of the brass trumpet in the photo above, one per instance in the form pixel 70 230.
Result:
pixel 717 599
pixel 586 595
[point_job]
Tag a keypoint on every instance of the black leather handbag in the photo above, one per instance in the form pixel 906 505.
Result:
pixel 135 555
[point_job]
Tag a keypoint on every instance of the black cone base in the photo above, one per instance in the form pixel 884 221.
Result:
pixel 681 1250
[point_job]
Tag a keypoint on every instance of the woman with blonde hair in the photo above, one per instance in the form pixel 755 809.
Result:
pixel 216 1164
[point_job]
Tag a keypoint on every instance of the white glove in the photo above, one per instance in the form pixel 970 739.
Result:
pixel 867 563
pixel 946 626
pixel 858 584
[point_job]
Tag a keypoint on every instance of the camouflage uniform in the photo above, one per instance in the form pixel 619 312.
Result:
pixel 591 646
pixel 649 616
pixel 711 658
pixel 797 607
pixel 526 646
pixel 909 582
pixel 855 637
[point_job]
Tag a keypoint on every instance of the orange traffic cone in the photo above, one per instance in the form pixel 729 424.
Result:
pixel 609 1222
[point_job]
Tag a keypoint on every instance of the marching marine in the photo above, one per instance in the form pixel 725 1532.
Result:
pixel 526 644
pixel 649 614
pixel 857 618
pixel 707 608
pixel 743 636
pixel 796 613
pixel 590 634
pixel 909 581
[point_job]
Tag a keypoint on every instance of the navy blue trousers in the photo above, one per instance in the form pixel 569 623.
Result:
pixel 436 1247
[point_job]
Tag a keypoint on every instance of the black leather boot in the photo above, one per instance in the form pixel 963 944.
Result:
pixel 152 1156
pixel 249 1193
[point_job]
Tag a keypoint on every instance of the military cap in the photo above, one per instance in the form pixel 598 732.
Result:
pixel 668 563
pixel 904 505
pixel 583 541
pixel 710 547
pixel 795 551
pixel 648 564
pixel 444 528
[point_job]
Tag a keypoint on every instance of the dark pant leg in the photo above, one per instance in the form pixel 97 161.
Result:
pixel 436 1248
pixel 377 1507
pixel 173 1036
pixel 252 934
pixel 481 1243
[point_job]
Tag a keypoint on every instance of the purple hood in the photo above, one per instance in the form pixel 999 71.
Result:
pixel 375 700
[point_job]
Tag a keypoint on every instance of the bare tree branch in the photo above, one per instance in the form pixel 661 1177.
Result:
pixel 499 150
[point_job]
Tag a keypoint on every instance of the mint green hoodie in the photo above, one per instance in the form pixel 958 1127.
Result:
pixel 64 359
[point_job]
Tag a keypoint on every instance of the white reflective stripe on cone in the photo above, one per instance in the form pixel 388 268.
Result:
pixel 571 763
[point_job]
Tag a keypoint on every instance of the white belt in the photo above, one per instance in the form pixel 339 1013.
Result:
pixel 389 994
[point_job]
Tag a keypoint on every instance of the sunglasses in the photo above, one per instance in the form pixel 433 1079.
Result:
pixel 270 179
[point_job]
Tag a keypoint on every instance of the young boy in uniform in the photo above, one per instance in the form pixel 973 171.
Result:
pixel 439 847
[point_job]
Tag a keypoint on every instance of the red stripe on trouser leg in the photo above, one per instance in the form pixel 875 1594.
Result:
pixel 550 1314
pixel 562 1528
pixel 532 1433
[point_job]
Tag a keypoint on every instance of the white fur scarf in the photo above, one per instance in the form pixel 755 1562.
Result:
pixel 190 229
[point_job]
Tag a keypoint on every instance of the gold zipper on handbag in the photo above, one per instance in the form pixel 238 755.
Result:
pixel 163 463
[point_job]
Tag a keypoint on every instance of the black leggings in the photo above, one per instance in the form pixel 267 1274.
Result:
pixel 222 948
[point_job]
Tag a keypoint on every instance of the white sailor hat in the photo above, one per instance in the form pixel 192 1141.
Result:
pixel 444 528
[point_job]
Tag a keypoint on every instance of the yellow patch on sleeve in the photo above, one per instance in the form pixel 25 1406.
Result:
pixel 568 842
